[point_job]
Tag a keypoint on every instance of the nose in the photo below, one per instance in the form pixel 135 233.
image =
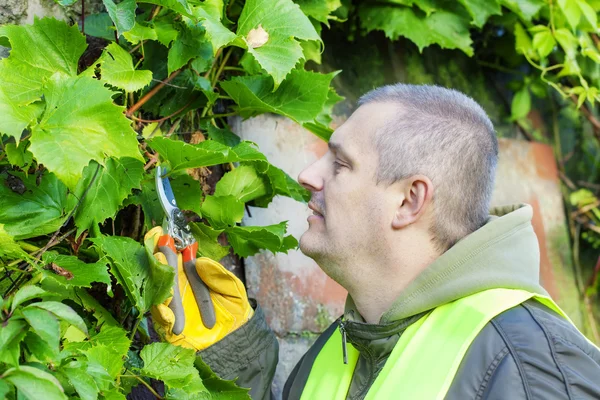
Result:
pixel 310 178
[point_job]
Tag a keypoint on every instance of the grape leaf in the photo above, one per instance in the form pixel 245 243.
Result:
pixel 165 29
pixel 319 9
pixel 243 183
pixel 571 10
pixel 122 14
pixel 144 280
pixel 39 210
pixel 481 10
pixel 27 293
pixel 14 118
pixel 19 156
pixel 40 348
pixel 171 364
pixel 117 70
pixel 191 43
pixel 102 355
pixel 181 6
pixel 73 271
pixel 321 126
pixel 249 240
pixel 181 155
pixel 281 52
pixel 544 42
pixel 45 325
pixel 219 388
pixel 11 335
pixel 282 184
pixel 148 200
pixel 187 191
pixel 8 247
pixel 222 211
pixel 100 25
pixel 526 9
pixel 523 43
pixel 210 13
pixel 80 131
pixel 301 97
pixel 208 244
pixel 224 136
pixel 112 184
pixel 447 29
pixel 38 51
pixel 84 384
pixel 34 383
pixel 140 33
pixel 4 389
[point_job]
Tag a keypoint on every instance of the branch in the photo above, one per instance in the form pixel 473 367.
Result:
pixel 151 93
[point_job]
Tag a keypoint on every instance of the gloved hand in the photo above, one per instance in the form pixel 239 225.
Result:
pixel 227 292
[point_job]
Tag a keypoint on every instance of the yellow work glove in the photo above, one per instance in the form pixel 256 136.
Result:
pixel 228 295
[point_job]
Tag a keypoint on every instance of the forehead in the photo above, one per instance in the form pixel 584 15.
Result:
pixel 359 132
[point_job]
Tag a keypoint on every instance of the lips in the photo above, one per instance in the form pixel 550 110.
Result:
pixel 315 210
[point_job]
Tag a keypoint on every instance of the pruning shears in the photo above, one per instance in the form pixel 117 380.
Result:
pixel 179 239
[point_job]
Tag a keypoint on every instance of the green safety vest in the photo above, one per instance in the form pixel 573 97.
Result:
pixel 424 362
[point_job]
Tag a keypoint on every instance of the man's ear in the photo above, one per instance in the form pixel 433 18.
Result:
pixel 415 195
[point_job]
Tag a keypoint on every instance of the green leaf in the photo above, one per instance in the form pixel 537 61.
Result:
pixel 181 6
pixel 34 383
pixel 191 43
pixel 122 14
pixel 30 209
pixel 521 104
pixel 523 43
pixel 4 389
pixel 14 118
pixel 281 52
pixel 222 211
pixel 219 388
pixel 249 240
pixel 224 136
pixel 187 191
pixel 320 10
pixel 112 184
pixel 11 336
pixel 208 243
pixel 210 13
pixel 27 293
pixel 181 155
pixel 567 41
pixel 589 16
pixel 110 362
pixel 70 271
pixel 144 280
pixel 544 42
pixel 447 29
pixel 45 325
pixel 571 10
pixel 194 390
pixel 40 349
pixel 19 156
pixel 9 248
pixel 80 131
pixel 148 200
pixel 481 10
pixel 526 9
pixel 61 311
pixel 117 70
pixel 301 97
pixel 243 183
pixel 84 384
pixel 100 25
pixel 171 364
pixel 282 184
pixel 113 394
pixel 165 29
pixel 38 51
pixel 140 33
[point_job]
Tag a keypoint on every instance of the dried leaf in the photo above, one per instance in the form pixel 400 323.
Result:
pixel 257 37
pixel 61 271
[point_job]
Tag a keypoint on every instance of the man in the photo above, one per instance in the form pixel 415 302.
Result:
pixel 444 299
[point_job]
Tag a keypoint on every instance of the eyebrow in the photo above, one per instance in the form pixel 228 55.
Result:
pixel 338 149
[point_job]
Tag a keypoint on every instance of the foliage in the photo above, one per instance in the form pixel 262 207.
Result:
pixel 83 123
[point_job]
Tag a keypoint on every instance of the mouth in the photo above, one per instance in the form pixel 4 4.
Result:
pixel 315 210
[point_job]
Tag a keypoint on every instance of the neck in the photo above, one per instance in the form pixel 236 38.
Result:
pixel 377 291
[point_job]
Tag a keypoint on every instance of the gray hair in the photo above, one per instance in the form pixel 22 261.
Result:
pixel 446 136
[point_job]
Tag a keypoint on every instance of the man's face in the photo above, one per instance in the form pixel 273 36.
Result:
pixel 351 212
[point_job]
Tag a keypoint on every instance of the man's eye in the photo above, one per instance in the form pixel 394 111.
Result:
pixel 337 166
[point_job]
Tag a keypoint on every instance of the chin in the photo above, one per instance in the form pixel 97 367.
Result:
pixel 310 245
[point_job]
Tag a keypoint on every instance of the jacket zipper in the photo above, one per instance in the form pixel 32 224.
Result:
pixel 343 332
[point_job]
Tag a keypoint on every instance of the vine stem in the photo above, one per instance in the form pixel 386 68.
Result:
pixel 135 327
pixel 143 382
pixel 151 93
pixel 133 117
